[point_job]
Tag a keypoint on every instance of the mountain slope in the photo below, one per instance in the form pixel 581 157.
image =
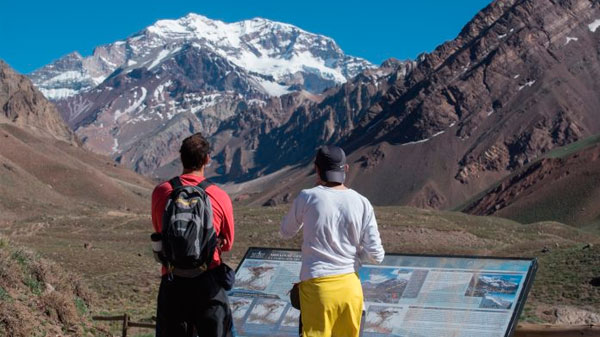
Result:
pixel 264 139
pixel 48 182
pixel 39 157
pixel 513 85
pixel 563 186
pixel 521 79
pixel 22 104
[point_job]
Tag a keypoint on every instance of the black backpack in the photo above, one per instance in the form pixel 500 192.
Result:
pixel 188 236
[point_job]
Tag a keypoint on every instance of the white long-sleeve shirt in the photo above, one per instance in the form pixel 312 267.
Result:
pixel 340 231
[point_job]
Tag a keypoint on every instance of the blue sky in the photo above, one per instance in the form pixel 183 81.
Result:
pixel 33 33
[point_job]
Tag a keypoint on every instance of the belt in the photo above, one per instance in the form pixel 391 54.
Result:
pixel 189 273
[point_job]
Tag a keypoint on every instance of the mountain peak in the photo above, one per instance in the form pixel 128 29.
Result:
pixel 74 55
pixel 259 22
pixel 190 25
pixel 198 26
pixel 196 16
pixel 284 53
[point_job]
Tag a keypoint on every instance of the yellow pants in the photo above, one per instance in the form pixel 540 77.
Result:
pixel 331 306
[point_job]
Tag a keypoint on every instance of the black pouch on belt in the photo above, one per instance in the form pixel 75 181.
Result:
pixel 225 276
pixel 295 296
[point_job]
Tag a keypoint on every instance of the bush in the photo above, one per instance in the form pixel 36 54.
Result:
pixel 38 298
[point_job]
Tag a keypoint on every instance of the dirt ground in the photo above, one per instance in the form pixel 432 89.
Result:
pixel 110 249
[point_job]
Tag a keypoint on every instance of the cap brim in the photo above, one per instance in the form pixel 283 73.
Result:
pixel 335 176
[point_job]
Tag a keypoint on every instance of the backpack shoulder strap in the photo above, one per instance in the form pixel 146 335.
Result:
pixel 204 184
pixel 175 183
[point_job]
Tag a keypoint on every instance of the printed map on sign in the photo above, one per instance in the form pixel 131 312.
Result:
pixel 417 296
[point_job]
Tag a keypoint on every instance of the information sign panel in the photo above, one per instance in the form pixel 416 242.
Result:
pixel 406 295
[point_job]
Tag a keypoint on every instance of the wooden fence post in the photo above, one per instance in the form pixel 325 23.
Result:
pixel 125 324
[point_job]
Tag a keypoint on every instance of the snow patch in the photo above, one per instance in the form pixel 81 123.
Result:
pixel 594 25
pixel 113 65
pixel 258 102
pixel 466 67
pixel 502 36
pixel 138 119
pixel 206 101
pixel 193 103
pixel 163 54
pixel 160 89
pixel 417 142
pixel 98 80
pixel 569 39
pixel 438 133
pixel 115 147
pixel 272 88
pixel 528 84
pixel 133 107
pixel 67 76
pixel 427 139
pixel 54 94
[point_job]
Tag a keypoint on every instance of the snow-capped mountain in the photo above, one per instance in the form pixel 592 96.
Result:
pixel 497 284
pixel 280 54
pixel 137 98
pixel 492 302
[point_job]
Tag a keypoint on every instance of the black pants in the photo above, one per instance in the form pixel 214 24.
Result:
pixel 185 304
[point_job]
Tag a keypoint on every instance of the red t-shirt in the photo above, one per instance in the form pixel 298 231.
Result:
pixel 221 205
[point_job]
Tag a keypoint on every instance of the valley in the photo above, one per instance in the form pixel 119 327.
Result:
pixel 110 249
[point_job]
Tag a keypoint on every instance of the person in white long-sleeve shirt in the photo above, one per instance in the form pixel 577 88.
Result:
pixel 340 232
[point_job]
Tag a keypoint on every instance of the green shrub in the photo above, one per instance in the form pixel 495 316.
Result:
pixel 34 285
pixel 82 308
pixel 4 296
pixel 21 257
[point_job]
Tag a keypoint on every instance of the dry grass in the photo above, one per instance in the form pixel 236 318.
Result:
pixel 111 251
pixel 12 317
pixel 38 298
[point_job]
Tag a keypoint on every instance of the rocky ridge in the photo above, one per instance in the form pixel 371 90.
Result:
pixel 519 80
pixel 560 187
pixel 23 105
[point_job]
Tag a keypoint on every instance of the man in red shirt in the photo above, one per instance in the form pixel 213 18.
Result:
pixel 200 301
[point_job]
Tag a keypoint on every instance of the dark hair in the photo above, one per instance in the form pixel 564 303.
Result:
pixel 322 174
pixel 194 151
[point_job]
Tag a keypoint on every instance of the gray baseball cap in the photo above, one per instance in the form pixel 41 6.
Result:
pixel 330 160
